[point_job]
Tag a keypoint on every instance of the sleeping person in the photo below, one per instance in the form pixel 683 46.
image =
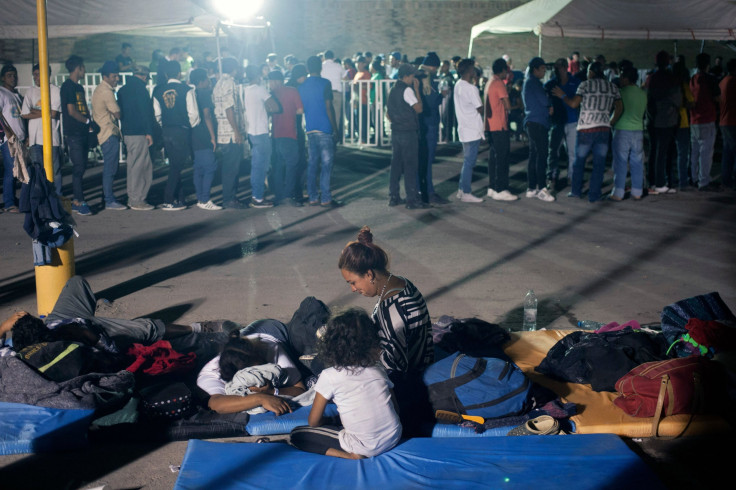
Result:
pixel 360 388
pixel 257 349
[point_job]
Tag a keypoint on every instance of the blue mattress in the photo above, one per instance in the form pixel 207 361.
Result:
pixel 580 462
pixel 264 424
pixel 31 429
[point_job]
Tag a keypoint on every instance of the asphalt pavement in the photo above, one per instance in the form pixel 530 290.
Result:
pixel 604 261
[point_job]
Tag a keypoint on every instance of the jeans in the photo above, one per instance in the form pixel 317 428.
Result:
pixel 177 142
pixel 728 160
pixel 260 158
pixel 432 136
pixel 8 179
pixel 470 154
pixel 538 148
pixel 404 160
pixel 702 140
pixel 682 140
pixel 111 156
pixel 597 142
pixel 139 168
pixel 628 148
pixel 556 134
pixel 78 147
pixel 285 167
pixel 498 161
pixel 203 173
pixel 321 148
pixel 36 154
pixel 231 156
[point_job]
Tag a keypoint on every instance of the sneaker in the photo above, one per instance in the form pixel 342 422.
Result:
pixel 530 193
pixel 470 198
pixel 263 203
pixel 437 199
pixel 81 208
pixel 175 206
pixel 331 204
pixel 491 193
pixel 544 425
pixel 505 196
pixel 12 209
pixel 115 205
pixel 614 197
pixel 142 206
pixel 209 206
pixel 572 194
pixel 659 190
pixel 395 201
pixel 296 203
pixel 544 195
pixel 233 205
pixel 417 205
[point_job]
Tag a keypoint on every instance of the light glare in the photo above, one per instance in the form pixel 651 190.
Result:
pixel 237 10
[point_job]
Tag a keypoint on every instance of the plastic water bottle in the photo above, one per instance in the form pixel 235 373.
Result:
pixel 590 325
pixel 530 311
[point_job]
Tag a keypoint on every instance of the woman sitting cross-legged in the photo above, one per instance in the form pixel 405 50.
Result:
pixel 360 388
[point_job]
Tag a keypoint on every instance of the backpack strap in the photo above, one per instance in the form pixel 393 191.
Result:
pixel 663 388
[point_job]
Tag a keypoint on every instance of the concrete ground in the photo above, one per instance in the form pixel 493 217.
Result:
pixel 606 261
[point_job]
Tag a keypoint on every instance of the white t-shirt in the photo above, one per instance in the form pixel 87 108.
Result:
pixel 410 97
pixel 256 116
pixel 32 100
pixel 332 71
pixel 469 120
pixel 366 411
pixel 209 377
pixel 10 107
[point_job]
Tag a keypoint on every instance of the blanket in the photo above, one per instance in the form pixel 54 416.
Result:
pixel 260 376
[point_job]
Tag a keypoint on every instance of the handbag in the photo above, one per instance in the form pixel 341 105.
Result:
pixel 686 385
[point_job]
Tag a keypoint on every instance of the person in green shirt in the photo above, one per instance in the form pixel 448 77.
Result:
pixel 628 137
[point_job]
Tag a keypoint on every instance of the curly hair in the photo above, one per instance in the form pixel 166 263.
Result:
pixel 238 354
pixel 362 255
pixel 29 330
pixel 350 341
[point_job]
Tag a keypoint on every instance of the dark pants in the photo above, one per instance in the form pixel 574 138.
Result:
pixel 556 133
pixel 231 155
pixel 404 160
pixel 538 148
pixel 663 139
pixel 728 159
pixel 315 439
pixel 498 161
pixel 284 167
pixel 77 146
pixel 177 142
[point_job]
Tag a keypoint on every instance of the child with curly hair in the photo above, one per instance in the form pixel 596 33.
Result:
pixel 360 388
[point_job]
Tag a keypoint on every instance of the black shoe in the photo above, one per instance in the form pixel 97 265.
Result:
pixel 437 199
pixel 712 187
pixel 296 203
pixel 395 201
pixel 233 205
pixel 263 203
pixel 331 204
pixel 417 205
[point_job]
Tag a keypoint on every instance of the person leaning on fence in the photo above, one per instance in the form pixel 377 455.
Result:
pixel 404 107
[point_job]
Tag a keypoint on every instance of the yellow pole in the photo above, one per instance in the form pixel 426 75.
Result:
pixel 50 279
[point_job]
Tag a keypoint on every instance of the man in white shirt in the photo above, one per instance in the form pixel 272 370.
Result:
pixel 10 103
pixel 332 71
pixel 469 113
pixel 258 104
pixel 31 111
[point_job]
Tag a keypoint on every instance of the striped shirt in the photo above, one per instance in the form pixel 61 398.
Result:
pixel 405 331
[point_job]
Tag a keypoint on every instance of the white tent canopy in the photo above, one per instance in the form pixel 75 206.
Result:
pixel 616 19
pixel 76 18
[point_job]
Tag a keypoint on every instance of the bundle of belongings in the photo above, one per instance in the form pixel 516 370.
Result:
pixel 655 373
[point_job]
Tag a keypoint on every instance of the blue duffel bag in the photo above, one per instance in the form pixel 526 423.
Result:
pixel 489 387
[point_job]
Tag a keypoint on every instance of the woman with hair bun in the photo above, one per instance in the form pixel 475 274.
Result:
pixel 402 319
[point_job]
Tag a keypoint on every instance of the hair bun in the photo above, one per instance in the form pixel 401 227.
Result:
pixel 365 236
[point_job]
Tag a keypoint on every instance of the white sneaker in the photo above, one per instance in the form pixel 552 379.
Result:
pixel 505 196
pixel 544 195
pixel 491 193
pixel 531 193
pixel 660 190
pixel 209 206
pixel 459 195
pixel 470 198
pixel 671 190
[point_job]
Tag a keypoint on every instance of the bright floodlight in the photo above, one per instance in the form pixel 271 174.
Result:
pixel 237 10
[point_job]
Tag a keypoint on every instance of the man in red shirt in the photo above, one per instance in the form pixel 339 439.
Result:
pixel 728 124
pixel 283 132
pixel 706 93
pixel 497 112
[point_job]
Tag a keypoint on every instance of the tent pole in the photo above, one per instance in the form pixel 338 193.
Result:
pixel 540 45
pixel 470 48
pixel 50 279
pixel 219 56
pixel 702 45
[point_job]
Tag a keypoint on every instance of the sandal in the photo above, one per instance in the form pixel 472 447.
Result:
pixel 544 425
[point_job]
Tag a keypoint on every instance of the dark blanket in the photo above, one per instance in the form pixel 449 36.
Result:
pixel 600 359
pixel 20 383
